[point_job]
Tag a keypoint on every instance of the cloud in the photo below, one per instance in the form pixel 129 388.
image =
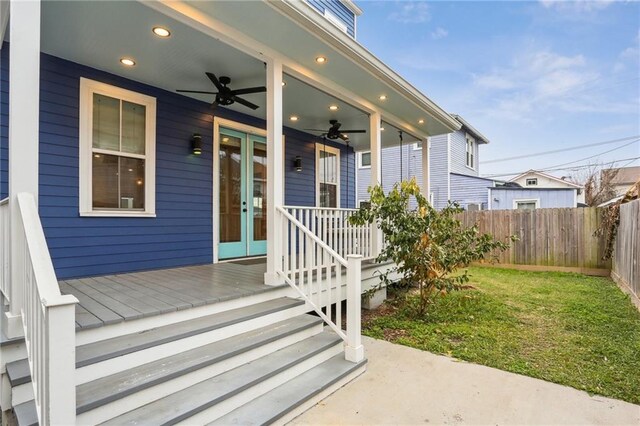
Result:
pixel 576 6
pixel 628 57
pixel 439 33
pixel 411 12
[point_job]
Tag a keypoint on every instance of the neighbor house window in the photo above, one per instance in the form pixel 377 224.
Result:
pixel 526 204
pixel 532 181
pixel 471 152
pixel 117 151
pixel 364 160
pixel 327 176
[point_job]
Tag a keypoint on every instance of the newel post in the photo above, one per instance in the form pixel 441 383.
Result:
pixel 61 365
pixel 354 351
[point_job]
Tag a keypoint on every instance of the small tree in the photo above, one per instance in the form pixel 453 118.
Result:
pixel 427 246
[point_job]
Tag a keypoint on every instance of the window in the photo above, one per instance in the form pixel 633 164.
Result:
pixel 471 152
pixel 327 176
pixel 117 151
pixel 364 160
pixel 417 146
pixel 532 181
pixel 526 204
pixel 364 203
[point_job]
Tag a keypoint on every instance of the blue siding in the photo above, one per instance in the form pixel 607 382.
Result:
pixel 502 199
pixel 439 170
pixel 341 11
pixel 459 154
pixel 4 121
pixel 470 189
pixel 181 234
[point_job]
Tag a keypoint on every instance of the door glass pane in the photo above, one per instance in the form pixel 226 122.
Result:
pixel 133 127
pixel 328 167
pixel 106 122
pixel 328 195
pixel 259 191
pixel 230 187
pixel 105 181
pixel 131 183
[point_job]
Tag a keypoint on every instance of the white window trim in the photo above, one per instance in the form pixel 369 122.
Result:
pixel 336 151
pixel 360 166
pixel 87 89
pixel 526 200
pixel 470 141
pixel 363 201
pixel 335 20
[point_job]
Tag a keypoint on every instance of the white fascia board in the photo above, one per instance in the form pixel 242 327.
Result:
pixel 307 17
pixel 352 7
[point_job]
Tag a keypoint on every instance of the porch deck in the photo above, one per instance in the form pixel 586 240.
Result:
pixel 111 299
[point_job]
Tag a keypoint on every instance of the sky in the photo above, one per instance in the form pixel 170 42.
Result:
pixel 532 76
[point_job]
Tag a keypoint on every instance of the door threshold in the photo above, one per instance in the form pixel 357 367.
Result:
pixel 235 259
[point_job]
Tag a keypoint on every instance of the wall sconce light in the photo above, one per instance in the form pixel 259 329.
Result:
pixel 196 144
pixel 297 163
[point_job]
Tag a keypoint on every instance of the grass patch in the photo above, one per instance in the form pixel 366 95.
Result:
pixel 566 328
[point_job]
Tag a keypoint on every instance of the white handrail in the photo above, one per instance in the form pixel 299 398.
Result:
pixel 48 319
pixel 314 269
pixel 333 227
pixel 5 241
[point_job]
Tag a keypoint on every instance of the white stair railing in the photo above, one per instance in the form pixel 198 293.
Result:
pixel 5 240
pixel 332 226
pixel 314 270
pixel 48 319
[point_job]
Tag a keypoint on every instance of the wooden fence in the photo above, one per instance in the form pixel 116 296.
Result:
pixel 549 239
pixel 626 254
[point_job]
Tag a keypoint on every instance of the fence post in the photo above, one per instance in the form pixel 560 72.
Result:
pixel 354 351
pixel 61 366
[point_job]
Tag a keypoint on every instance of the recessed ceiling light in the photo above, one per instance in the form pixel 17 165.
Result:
pixel 284 83
pixel 96 155
pixel 382 129
pixel 383 97
pixel 321 59
pixel 333 107
pixel 161 32
pixel 421 121
pixel 293 118
pixel 127 62
pixel 225 139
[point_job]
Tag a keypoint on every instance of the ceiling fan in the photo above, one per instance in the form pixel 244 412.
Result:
pixel 334 131
pixel 226 96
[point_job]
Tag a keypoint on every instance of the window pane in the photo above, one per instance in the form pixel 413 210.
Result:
pixel 133 127
pixel 105 181
pixel 526 205
pixel 328 195
pixel 106 122
pixel 230 185
pixel 366 159
pixel 328 167
pixel 259 191
pixel 131 183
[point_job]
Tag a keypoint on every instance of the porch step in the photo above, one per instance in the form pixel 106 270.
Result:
pixel 223 393
pixel 284 399
pixel 114 387
pixel 118 346
pixel 26 414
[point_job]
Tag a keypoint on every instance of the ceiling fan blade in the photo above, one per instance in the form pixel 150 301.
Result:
pixel 245 102
pixel 316 130
pixel 249 90
pixel 196 91
pixel 214 80
pixel 353 131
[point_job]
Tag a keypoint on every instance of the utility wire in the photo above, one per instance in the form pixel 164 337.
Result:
pixel 537 154
pixel 597 155
pixel 582 166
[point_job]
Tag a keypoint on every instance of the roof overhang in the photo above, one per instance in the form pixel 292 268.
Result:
pixel 555 179
pixel 480 138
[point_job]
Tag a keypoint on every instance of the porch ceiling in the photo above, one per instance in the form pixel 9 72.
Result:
pixel 98 34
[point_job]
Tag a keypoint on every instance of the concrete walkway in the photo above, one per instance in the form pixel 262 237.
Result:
pixel 408 386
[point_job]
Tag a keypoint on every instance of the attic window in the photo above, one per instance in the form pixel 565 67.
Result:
pixel 335 20
pixel 532 181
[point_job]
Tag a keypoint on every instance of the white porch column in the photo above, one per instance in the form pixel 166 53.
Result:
pixel 275 169
pixel 24 94
pixel 375 124
pixel 425 185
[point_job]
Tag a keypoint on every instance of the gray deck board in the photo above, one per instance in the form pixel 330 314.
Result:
pixel 113 298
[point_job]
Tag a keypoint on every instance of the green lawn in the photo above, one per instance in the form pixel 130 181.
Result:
pixel 565 328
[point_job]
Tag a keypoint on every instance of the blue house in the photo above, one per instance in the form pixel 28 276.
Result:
pixel 454 173
pixel 168 220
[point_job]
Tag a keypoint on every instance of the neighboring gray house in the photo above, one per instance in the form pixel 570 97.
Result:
pixel 535 190
pixel 453 164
